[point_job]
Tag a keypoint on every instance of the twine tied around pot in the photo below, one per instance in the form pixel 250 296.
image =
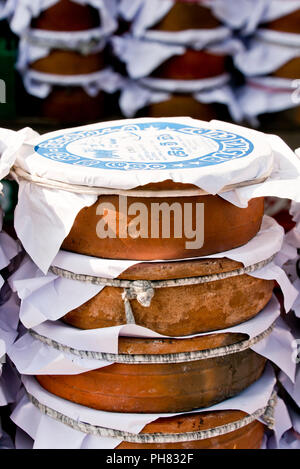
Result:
pixel 143 290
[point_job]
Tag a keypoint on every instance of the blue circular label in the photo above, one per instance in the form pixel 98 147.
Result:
pixel 146 146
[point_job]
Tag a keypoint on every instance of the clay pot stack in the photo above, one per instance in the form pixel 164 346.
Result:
pixel 117 334
pixel 176 61
pixel 62 58
pixel 271 64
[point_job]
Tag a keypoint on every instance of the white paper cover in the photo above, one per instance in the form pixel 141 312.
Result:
pixel 99 154
pixel 49 433
pixel 267 51
pixel 50 297
pixel 143 14
pixel 9 319
pixel 23 11
pixel 291 267
pixel 135 95
pixel 39 45
pixel 40 84
pixel 32 357
pixel 267 94
pixel 246 15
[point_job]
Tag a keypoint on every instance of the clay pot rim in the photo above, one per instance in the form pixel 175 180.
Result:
pixel 179 269
pixel 138 345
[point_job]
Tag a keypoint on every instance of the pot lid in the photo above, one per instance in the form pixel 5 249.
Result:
pixel 130 153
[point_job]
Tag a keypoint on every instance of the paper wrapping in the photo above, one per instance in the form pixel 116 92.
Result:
pixel 135 95
pixel 267 94
pixel 49 433
pixel 267 51
pixel 291 267
pixel 143 56
pixel 23 11
pixel 245 15
pixel 143 14
pixel 32 357
pixel 9 319
pixel 40 84
pixel 38 45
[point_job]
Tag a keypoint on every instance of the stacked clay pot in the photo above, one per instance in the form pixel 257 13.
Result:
pixel 192 65
pixel 280 81
pixel 290 70
pixel 68 100
pixel 174 387
pixel 188 67
pixel 150 374
pixel 65 103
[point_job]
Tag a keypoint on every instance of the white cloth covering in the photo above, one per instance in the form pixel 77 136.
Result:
pixel 23 11
pixel 267 94
pixel 40 84
pixel 49 433
pixel 32 357
pixel 267 51
pixel 50 297
pixel 56 210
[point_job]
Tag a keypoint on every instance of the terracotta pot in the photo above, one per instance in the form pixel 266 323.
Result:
pixel 289 70
pixel 72 105
pixel 289 23
pixel 184 15
pixel 60 62
pixel 155 388
pixel 225 227
pixel 186 309
pixel 182 105
pixel 66 15
pixel 192 65
pixel 248 437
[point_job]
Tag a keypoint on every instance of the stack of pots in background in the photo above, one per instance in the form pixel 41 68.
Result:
pixel 271 64
pixel 175 53
pixel 290 391
pixel 62 56
pixel 9 320
pixel 118 344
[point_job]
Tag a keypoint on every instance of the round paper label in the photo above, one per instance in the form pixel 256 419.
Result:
pixel 146 146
